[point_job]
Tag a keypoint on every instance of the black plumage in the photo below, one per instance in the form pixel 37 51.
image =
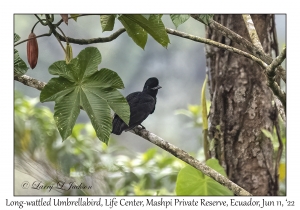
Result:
pixel 141 105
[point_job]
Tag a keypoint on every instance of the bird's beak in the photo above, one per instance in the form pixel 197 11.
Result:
pixel 157 87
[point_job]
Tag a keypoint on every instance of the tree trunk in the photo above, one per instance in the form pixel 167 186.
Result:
pixel 241 107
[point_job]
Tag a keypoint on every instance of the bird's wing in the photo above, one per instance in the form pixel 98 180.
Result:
pixel 141 105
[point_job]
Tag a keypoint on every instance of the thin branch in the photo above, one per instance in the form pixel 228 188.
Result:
pixel 47 34
pixel 252 31
pixel 177 152
pixel 270 70
pixel 216 44
pixel 31 82
pixel 243 42
pixel 184 156
pixel 93 40
pixel 40 20
pixel 276 62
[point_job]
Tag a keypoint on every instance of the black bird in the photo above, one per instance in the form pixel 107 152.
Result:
pixel 141 105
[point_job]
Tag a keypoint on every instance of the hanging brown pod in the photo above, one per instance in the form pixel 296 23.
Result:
pixel 32 50
pixel 65 18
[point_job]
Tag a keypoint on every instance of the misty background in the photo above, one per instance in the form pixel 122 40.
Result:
pixel 180 69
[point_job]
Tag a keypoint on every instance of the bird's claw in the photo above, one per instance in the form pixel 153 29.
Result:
pixel 142 126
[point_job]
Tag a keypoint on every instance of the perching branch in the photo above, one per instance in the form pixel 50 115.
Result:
pixel 184 156
pixel 243 42
pixel 31 82
pixel 177 152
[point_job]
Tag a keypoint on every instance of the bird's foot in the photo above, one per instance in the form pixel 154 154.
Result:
pixel 142 126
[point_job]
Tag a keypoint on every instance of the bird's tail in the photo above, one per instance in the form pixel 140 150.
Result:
pixel 118 126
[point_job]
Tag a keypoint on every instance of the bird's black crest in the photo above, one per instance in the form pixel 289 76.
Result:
pixel 151 83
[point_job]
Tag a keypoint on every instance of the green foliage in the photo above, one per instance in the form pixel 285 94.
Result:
pixel 154 26
pixel 107 22
pixel 74 16
pixel 146 16
pixel 135 31
pixel 20 66
pixel 33 126
pixel 206 18
pixel 80 84
pixel 113 169
pixel 16 37
pixel 191 181
pixel 150 173
pixel 179 19
pixel 195 113
pixel 203 103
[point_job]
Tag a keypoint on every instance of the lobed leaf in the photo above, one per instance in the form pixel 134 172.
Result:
pixel 66 111
pixel 81 84
pixel 98 112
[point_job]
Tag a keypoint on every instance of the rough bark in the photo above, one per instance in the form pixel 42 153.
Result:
pixel 241 107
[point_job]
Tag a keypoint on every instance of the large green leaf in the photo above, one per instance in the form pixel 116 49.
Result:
pixel 66 111
pixel 179 19
pixel 135 31
pixel 107 22
pixel 191 181
pixel 154 26
pixel 80 84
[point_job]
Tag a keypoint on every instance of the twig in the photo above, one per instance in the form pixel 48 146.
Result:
pixel 47 34
pixel 252 32
pixel 270 70
pixel 275 63
pixel 93 40
pixel 184 156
